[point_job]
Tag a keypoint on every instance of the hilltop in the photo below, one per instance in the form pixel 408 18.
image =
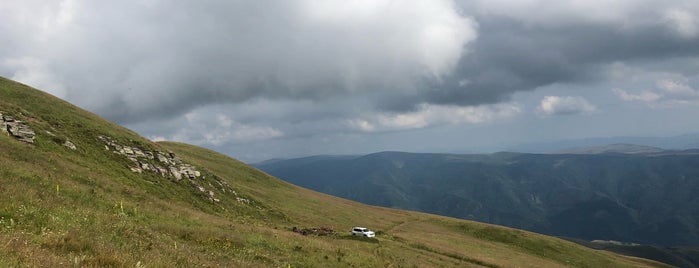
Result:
pixel 80 191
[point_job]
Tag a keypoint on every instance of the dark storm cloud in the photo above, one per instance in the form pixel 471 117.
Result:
pixel 510 56
pixel 161 59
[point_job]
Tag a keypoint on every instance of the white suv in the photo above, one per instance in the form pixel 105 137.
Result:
pixel 362 231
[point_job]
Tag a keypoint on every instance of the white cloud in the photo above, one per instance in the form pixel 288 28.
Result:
pixel 430 34
pixel 677 90
pixel 667 93
pixel 158 138
pixel 683 22
pixel 645 96
pixel 204 126
pixel 429 115
pixel 565 105
pixel 361 124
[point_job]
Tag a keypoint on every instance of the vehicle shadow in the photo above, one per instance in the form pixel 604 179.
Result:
pixel 357 238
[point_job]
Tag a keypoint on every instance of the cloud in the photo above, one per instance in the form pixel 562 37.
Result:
pixel 565 105
pixel 165 58
pixel 157 138
pixel 644 96
pixel 129 58
pixel 205 127
pixel 677 90
pixel 571 42
pixel 434 115
pixel 241 133
pixel 667 93
pixel 260 71
pixel 683 21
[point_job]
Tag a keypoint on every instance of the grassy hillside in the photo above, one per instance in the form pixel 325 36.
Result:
pixel 86 208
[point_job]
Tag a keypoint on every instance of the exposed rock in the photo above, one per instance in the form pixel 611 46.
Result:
pixel 188 170
pixel 126 150
pixel 161 170
pixel 17 128
pixel 242 200
pixel 175 172
pixel 70 145
pixel 162 158
pixel 166 165
pixel 138 152
pixel 144 166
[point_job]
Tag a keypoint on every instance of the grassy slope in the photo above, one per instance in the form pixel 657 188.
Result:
pixel 60 207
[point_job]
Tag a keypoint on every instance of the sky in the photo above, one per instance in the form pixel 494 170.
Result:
pixel 276 79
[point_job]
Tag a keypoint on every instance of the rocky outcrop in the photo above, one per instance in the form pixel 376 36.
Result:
pixel 16 128
pixel 167 164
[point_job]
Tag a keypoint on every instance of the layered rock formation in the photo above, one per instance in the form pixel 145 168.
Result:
pixel 167 164
pixel 16 128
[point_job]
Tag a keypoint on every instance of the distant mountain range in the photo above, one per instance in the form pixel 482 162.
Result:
pixel 680 142
pixel 619 192
pixel 622 148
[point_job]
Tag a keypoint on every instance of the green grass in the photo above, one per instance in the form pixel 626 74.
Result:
pixel 85 208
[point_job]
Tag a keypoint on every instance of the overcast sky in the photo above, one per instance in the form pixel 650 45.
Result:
pixel 267 79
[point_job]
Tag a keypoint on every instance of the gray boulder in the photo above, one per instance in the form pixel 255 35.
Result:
pixel 18 129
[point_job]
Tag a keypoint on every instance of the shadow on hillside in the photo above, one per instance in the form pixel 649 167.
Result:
pixel 357 238
pixel 685 257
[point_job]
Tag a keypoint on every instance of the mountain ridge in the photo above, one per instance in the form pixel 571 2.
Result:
pixel 595 179
pixel 622 148
pixel 587 200
pixel 678 142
